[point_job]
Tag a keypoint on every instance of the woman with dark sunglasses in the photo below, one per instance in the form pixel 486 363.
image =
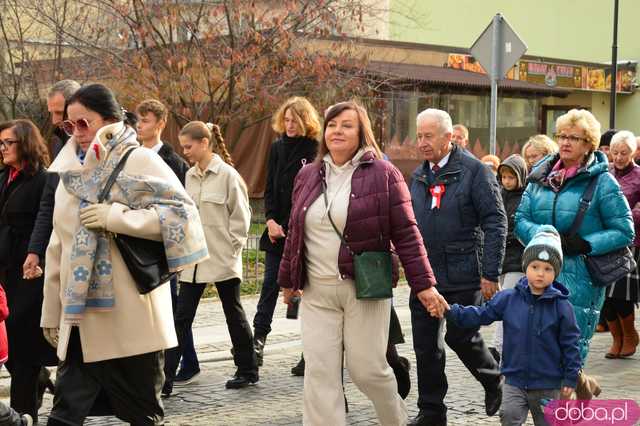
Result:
pixel 24 154
pixel 110 338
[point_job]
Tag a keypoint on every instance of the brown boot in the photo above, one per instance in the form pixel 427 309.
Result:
pixel 616 332
pixel 587 387
pixel 629 336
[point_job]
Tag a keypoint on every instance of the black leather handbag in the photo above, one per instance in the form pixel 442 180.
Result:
pixel 607 268
pixel 145 259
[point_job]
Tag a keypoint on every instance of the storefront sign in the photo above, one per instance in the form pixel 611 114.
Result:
pixel 576 77
pixel 553 75
pixel 599 79
pixel 468 63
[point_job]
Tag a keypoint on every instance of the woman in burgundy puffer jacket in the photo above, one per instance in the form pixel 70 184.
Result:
pixel 369 204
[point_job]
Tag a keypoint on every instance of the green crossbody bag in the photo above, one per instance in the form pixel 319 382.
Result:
pixel 372 268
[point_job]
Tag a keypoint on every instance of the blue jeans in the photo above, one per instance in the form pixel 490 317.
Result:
pixel 268 295
pixel 189 361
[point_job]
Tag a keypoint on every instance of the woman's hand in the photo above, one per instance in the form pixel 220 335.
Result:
pixel 51 336
pixel 95 216
pixel 288 293
pixel 274 230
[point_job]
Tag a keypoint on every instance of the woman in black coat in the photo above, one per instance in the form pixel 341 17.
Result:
pixel 24 154
pixel 298 124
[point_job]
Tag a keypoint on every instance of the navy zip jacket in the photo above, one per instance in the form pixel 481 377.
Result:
pixel 465 237
pixel 540 349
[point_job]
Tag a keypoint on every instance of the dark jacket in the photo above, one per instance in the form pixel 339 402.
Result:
pixel 174 161
pixel 453 233
pixel 44 221
pixel 511 200
pixel 286 157
pixel 21 200
pixel 379 214
pixel 629 180
pixel 540 349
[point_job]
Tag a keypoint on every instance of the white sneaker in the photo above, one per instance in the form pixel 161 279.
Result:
pixel 27 420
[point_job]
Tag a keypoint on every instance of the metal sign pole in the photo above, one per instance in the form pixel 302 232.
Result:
pixel 495 77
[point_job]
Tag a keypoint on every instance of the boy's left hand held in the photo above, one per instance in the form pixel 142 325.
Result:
pixel 565 392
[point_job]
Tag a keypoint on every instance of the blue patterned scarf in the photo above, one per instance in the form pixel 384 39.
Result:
pixel 90 283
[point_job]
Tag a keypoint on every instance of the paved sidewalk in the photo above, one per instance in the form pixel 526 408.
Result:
pixel 276 399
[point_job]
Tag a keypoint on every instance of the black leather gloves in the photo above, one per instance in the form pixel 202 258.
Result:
pixel 574 245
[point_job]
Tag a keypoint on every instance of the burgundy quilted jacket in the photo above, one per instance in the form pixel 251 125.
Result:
pixel 380 205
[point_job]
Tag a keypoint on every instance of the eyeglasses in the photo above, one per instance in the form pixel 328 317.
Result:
pixel 6 143
pixel 573 139
pixel 70 126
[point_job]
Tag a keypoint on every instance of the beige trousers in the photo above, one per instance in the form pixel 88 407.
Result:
pixel 333 322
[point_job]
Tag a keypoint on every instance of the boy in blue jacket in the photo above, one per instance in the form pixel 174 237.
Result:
pixel 541 359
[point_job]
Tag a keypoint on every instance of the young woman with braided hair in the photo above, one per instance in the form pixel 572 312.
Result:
pixel 221 197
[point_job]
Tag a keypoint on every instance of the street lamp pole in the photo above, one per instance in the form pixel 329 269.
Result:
pixel 614 68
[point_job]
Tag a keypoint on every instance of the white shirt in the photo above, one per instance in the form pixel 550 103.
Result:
pixel 320 239
pixel 443 162
pixel 156 147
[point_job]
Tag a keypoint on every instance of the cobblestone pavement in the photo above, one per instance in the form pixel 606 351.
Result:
pixel 277 398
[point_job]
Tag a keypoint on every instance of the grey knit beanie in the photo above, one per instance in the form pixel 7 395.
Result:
pixel 545 246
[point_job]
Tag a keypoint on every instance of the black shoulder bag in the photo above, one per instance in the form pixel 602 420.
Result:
pixel 607 268
pixel 145 259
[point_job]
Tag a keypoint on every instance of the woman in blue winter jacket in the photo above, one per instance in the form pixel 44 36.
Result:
pixel 553 195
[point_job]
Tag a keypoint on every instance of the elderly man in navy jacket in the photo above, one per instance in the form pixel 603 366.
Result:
pixel 457 204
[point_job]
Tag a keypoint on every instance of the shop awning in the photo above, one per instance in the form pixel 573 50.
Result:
pixel 450 78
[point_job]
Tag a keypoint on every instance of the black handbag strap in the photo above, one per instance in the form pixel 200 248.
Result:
pixel 114 175
pixel 326 203
pixel 585 202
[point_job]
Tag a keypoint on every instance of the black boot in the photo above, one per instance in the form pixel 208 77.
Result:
pixel 298 370
pixel 242 380
pixel 258 347
pixel 401 371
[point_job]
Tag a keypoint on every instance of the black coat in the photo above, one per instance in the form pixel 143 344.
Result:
pixel 21 201
pixel 174 161
pixel 513 251
pixel 465 237
pixel 283 166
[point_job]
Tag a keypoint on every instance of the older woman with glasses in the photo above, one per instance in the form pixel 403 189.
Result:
pixel 24 154
pixel 536 148
pixel 552 197
pixel 619 308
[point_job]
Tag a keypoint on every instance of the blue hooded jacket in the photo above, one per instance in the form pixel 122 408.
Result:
pixel 540 349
